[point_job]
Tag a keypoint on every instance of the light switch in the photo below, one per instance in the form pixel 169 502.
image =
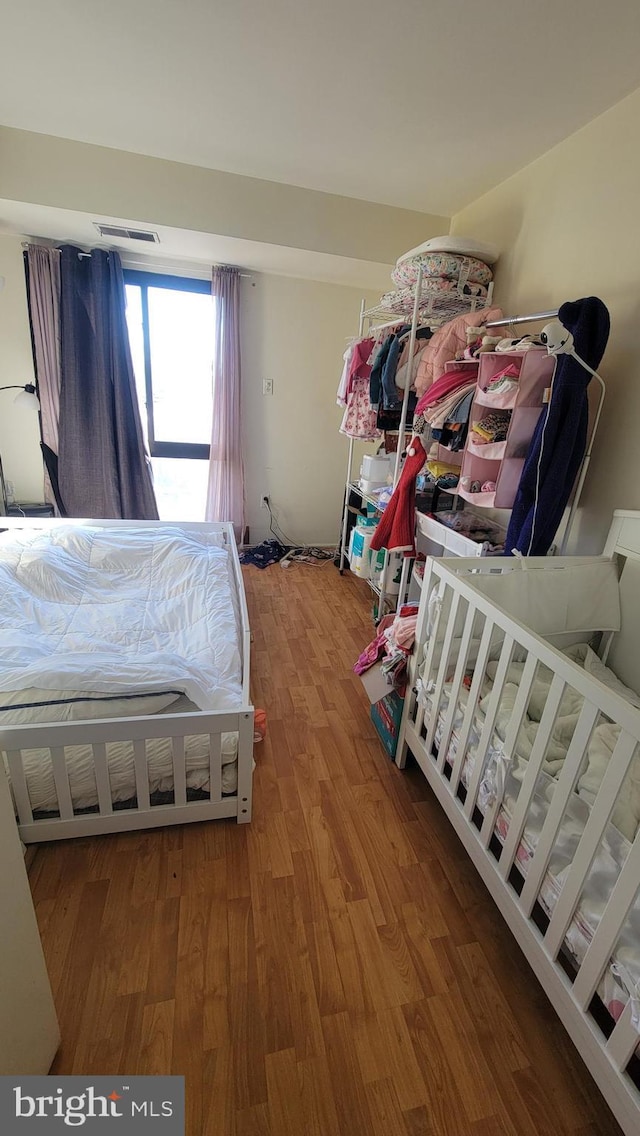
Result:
pixel 267 386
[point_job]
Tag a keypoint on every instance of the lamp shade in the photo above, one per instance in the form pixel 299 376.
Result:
pixel 26 395
pixel 27 398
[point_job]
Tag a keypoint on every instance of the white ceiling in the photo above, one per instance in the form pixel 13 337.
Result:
pixel 417 103
pixel 188 250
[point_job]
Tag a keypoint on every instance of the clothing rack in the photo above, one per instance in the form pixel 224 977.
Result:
pixel 371 315
pixel 433 314
pixel 522 319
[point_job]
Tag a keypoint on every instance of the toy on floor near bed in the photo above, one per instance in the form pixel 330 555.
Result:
pixel 532 745
pixel 124 656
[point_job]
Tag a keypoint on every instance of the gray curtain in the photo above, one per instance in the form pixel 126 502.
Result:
pixel 43 289
pixel 225 496
pixel 103 469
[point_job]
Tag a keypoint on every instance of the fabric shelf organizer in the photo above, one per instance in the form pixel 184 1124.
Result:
pixel 507 405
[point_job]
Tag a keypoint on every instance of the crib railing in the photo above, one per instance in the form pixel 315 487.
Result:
pixel 53 741
pixel 459 632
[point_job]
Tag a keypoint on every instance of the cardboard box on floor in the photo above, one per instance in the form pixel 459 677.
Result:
pixel 386 707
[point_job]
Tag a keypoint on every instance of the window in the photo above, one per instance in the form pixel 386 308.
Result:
pixel 171 332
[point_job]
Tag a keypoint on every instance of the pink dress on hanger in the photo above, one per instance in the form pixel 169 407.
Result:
pixel 359 419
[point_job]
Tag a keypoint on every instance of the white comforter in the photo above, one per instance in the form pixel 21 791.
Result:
pixel 119 610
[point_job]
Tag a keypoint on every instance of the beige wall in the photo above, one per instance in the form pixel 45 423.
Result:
pixel 19 434
pixel 294 333
pixel 568 226
pixel 57 172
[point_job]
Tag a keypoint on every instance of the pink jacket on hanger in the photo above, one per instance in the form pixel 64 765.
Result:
pixel 445 344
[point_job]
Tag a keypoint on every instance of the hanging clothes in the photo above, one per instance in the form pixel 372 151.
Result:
pixel 360 417
pixel 560 438
pixel 356 366
pixel 396 528
pixel 447 341
pixel 398 357
pixel 389 348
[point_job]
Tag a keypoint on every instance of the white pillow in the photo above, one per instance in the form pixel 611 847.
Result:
pixel 462 246
pixel 77 705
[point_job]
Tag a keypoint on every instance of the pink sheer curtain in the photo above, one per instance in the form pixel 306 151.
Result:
pixel 43 276
pixel 225 494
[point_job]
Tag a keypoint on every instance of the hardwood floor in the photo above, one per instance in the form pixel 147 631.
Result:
pixel 336 967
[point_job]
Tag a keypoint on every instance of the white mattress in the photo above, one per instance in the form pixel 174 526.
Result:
pixel 99 622
pixel 82 783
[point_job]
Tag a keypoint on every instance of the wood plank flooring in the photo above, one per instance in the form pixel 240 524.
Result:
pixel 335 968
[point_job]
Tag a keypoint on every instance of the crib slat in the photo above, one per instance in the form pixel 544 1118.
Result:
pixel 61 778
pixel 510 740
pixel 142 773
pixel 602 945
pixel 564 787
pixel 433 638
pixel 623 1040
pixel 215 767
pixel 179 771
pixel 474 694
pixel 590 840
pixel 442 670
pixel 489 723
pixel 103 784
pixel 19 786
pixel 534 765
pixel 458 677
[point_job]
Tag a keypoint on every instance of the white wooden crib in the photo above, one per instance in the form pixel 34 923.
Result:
pixel 491 794
pixel 144 809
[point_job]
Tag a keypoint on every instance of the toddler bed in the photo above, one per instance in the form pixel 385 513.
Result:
pixel 532 745
pixel 124 676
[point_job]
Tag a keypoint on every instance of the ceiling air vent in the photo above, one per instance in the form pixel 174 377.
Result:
pixel 128 234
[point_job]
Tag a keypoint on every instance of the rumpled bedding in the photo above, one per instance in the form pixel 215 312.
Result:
pixel 626 816
pixel 118 611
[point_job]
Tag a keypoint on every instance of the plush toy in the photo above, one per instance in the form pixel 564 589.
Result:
pixel 489 343
pixel 474 338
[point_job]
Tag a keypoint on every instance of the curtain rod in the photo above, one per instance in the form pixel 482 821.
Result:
pixel 522 319
pixel 145 264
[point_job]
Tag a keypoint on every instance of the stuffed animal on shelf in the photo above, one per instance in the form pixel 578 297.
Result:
pixel 489 343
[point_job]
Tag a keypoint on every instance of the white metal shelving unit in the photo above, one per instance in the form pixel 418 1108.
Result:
pixel 429 310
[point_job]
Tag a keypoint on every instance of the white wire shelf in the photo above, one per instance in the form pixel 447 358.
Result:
pixel 433 307
pixel 437 311
pixel 355 488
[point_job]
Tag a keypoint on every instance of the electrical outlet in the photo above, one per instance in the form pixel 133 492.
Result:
pixel 267 386
pixel 264 501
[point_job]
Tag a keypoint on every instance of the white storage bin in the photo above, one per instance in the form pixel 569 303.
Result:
pixel 369 486
pixel 389 578
pixel 375 467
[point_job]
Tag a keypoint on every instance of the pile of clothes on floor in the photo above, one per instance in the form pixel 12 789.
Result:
pixel 392 645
